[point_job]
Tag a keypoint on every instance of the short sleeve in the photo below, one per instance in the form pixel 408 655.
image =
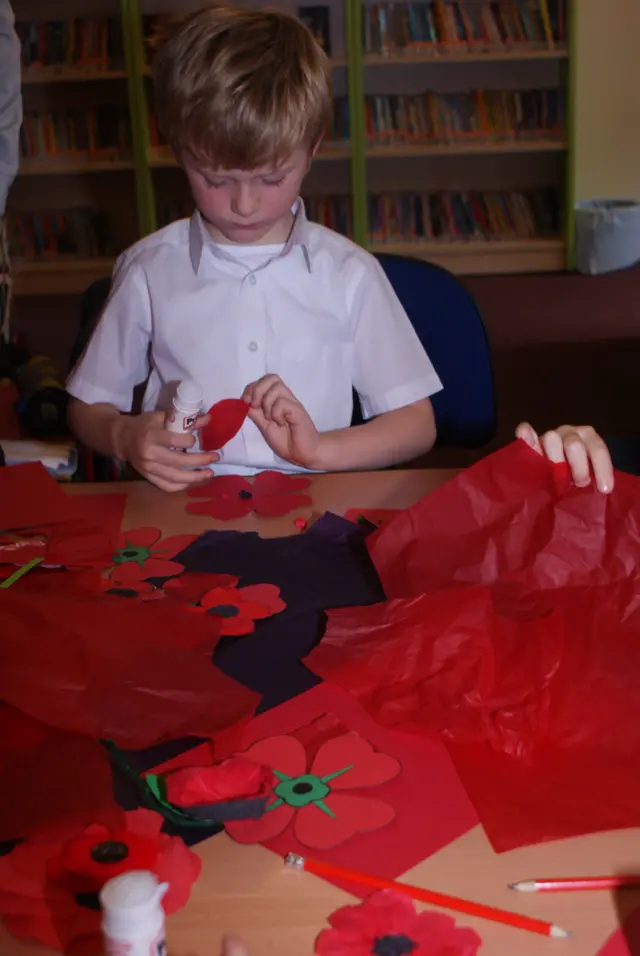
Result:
pixel 116 358
pixel 391 368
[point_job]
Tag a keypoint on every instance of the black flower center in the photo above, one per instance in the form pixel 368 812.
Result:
pixel 90 901
pixel 129 554
pixel 244 494
pixel 225 610
pixel 123 592
pixel 109 851
pixel 394 945
pixel 302 788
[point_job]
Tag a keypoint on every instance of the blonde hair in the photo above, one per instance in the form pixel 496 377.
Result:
pixel 241 88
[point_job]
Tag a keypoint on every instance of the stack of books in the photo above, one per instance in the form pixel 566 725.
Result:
pixel 470 215
pixel 445 26
pixel 332 211
pixel 71 233
pixel 100 134
pixel 93 45
pixel 481 115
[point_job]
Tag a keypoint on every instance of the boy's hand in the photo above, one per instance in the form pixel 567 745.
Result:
pixel 232 946
pixel 580 446
pixel 145 443
pixel 285 423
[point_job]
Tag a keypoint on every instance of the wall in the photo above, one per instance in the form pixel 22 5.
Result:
pixel 607 46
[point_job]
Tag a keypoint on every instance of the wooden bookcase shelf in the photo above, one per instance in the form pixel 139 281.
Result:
pixel 365 168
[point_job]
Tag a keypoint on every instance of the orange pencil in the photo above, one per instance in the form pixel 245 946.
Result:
pixel 429 896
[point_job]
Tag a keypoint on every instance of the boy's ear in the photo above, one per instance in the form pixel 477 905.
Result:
pixel 314 149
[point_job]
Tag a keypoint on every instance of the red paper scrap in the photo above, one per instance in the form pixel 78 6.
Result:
pixel 229 497
pixel 226 419
pixel 113 669
pixel 234 779
pixel 30 497
pixel 430 808
pixel 513 633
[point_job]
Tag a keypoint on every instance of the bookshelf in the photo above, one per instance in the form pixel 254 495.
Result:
pixel 452 140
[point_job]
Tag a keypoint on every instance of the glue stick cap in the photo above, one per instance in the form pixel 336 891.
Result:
pixel 189 396
pixel 132 904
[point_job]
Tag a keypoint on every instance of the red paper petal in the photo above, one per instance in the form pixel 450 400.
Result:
pixel 138 538
pixel 18 731
pixel 180 868
pixel 144 823
pixel 226 419
pixel 218 597
pixel 265 597
pixel 369 769
pixel 278 505
pixel 235 626
pixel 223 486
pixel 169 547
pixel 192 585
pixel 278 483
pixel 351 815
pixel 272 824
pixel 284 753
pixel 130 571
pixel 222 509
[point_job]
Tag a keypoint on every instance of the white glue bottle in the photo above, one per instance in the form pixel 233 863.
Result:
pixel 132 915
pixel 187 405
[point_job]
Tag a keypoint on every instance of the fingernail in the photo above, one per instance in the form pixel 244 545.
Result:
pixel 606 489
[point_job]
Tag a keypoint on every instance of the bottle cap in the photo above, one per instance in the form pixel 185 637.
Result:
pixel 189 394
pixel 131 902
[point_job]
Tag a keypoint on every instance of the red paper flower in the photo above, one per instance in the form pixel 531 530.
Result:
pixel 236 609
pixel 234 779
pixel 190 587
pixel 141 555
pixel 322 816
pixel 386 924
pixel 49 887
pixel 271 495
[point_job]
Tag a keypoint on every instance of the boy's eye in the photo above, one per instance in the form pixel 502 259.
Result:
pixel 214 184
pixel 274 182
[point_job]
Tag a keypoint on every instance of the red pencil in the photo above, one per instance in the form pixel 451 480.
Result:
pixel 428 896
pixel 576 883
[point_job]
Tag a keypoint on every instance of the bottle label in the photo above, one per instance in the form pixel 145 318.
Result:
pixel 157 947
pixel 188 422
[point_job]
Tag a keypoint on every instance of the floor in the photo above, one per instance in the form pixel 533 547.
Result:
pixel 566 348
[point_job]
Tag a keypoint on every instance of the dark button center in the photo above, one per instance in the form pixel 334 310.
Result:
pixel 244 494
pixel 110 851
pixel 302 788
pixel 393 945
pixel 225 610
pixel 129 554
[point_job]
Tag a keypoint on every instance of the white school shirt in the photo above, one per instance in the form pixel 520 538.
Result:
pixel 317 311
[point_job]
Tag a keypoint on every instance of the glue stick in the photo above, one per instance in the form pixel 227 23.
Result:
pixel 132 915
pixel 187 405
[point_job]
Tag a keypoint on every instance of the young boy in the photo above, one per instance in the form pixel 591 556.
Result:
pixel 248 298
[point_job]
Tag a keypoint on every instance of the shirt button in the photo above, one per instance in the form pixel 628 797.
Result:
pixel 252 280
pixel 253 346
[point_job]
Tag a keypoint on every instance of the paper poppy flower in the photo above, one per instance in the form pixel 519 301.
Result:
pixel 271 495
pixel 191 586
pixel 49 887
pixel 312 799
pixel 141 555
pixel 387 924
pixel 236 609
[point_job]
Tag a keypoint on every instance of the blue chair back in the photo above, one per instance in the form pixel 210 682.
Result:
pixel 451 329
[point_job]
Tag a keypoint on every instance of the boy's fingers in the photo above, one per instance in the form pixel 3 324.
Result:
pixel 172 439
pixel 529 435
pixel 599 456
pixel 232 946
pixel 553 446
pixel 578 459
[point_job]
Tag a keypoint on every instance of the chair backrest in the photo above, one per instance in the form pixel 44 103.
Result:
pixel 451 329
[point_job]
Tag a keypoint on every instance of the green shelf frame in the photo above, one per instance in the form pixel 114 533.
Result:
pixel 135 60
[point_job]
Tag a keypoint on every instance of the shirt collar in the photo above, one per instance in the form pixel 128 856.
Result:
pixel 199 238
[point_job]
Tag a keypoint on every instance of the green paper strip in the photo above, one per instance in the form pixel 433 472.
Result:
pixel 135 63
pixel 20 572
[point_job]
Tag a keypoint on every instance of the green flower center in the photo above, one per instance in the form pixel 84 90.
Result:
pixel 225 610
pixel 393 945
pixel 303 790
pixel 131 555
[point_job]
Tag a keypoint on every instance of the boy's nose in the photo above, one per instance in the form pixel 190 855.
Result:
pixel 245 202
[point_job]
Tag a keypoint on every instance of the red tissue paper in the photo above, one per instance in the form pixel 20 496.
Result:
pixel 232 779
pixel 226 418
pixel 30 497
pixel 513 633
pixel 49 885
pixel 113 669
pixel 387 923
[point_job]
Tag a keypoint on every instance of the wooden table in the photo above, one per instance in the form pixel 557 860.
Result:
pixel 245 889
